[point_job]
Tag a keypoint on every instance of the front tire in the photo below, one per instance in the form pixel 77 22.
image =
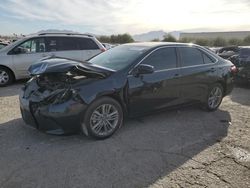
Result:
pixel 6 77
pixel 103 117
pixel 214 97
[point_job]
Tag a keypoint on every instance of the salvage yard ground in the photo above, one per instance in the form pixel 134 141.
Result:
pixel 187 147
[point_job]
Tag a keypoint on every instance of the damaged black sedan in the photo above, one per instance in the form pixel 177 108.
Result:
pixel 65 96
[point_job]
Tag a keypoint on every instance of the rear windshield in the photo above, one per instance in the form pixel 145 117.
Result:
pixel 119 57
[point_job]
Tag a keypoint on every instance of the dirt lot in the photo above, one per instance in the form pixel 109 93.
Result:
pixel 178 148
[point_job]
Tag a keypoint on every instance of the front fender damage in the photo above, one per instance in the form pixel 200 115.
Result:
pixel 55 110
pixel 53 97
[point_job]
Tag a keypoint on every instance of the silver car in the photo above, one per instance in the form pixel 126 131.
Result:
pixel 16 58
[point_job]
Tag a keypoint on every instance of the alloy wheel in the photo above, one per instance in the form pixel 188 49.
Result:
pixel 215 97
pixel 104 119
pixel 4 77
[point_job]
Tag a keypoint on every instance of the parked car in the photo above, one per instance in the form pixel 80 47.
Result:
pixel 227 52
pixel 2 45
pixel 242 62
pixel 215 49
pixel 16 58
pixel 65 96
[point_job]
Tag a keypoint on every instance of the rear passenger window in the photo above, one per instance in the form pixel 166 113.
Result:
pixel 164 58
pixel 62 44
pixel 52 44
pixel 67 43
pixel 70 43
pixel 190 56
pixel 87 44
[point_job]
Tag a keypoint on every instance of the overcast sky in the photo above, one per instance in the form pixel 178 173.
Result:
pixel 120 16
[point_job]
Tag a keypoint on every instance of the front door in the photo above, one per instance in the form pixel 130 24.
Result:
pixel 30 51
pixel 149 92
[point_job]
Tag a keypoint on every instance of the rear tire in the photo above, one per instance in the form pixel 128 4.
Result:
pixel 103 117
pixel 6 77
pixel 214 97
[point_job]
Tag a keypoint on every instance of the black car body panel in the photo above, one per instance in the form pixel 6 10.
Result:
pixel 60 91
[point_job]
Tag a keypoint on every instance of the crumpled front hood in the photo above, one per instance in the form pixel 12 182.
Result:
pixel 61 65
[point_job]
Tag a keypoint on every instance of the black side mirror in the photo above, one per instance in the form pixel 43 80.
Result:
pixel 144 69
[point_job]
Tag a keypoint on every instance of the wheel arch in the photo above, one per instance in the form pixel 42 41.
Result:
pixel 118 98
pixel 223 84
pixel 12 72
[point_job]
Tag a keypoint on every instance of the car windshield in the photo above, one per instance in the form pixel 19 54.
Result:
pixel 119 57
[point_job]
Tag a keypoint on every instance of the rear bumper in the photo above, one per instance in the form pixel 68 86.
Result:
pixel 56 119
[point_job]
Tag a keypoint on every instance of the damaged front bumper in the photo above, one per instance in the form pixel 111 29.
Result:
pixel 54 117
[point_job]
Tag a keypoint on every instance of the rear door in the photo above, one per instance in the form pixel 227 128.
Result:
pixel 198 72
pixel 32 50
pixel 160 89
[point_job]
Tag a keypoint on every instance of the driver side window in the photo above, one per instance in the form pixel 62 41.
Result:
pixel 32 46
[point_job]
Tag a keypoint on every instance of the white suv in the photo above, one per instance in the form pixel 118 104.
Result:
pixel 16 58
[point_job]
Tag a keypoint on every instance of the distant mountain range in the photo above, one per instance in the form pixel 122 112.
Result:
pixel 149 36
pixel 154 35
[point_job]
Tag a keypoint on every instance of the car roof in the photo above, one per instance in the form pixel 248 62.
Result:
pixel 148 46
pixel 60 35
pixel 56 35
pixel 19 41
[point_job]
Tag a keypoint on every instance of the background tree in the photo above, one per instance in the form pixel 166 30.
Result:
pixel 234 42
pixel 155 40
pixel 105 39
pixel 114 39
pixel 169 38
pixel 246 40
pixel 186 40
pixel 126 38
pixel 202 42
pixel 218 42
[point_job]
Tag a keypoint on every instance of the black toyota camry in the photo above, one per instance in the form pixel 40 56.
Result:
pixel 66 96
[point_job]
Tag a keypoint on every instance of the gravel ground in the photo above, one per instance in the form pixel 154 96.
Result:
pixel 177 148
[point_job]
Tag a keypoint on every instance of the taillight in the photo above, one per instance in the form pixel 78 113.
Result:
pixel 233 69
pixel 103 49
